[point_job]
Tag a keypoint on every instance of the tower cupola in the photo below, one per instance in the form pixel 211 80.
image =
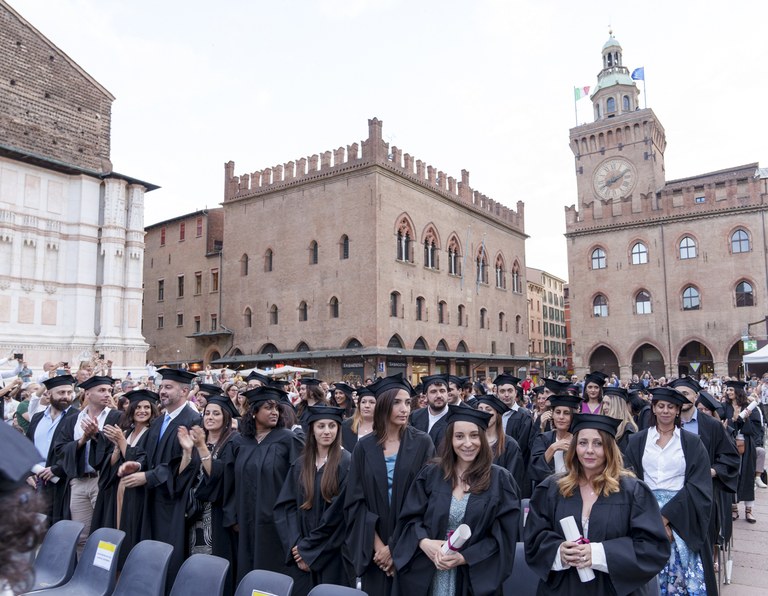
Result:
pixel 616 92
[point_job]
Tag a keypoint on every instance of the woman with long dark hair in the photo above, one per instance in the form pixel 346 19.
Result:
pixel 263 457
pixel 592 396
pixel 310 394
pixel 342 398
pixel 384 464
pixel 544 461
pixel 462 487
pixel 310 509
pixel 506 452
pixel 747 427
pixel 621 535
pixel 674 464
pixel 361 424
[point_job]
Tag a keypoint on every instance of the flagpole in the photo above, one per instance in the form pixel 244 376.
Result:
pixel 645 91
pixel 575 110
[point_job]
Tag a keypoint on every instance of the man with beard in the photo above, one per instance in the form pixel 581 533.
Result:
pixel 157 468
pixel 432 419
pixel 80 444
pixel 44 430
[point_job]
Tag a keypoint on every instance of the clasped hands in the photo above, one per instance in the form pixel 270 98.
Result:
pixel 442 561
pixel 576 555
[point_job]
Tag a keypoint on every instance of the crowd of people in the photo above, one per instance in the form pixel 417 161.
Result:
pixel 370 485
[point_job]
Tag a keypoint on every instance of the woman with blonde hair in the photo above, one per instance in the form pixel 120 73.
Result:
pixel 616 405
pixel 621 534
pixel 361 422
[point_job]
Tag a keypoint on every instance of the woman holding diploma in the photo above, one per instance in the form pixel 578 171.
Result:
pixel 462 487
pixel 547 445
pixel 621 540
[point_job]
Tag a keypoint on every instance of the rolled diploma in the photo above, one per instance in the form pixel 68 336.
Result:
pixel 571 532
pixel 559 462
pixel 457 539
pixel 37 468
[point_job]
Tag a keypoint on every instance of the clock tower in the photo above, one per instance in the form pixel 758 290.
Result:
pixel 619 156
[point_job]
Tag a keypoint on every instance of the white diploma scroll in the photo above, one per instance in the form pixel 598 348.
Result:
pixel 457 539
pixel 38 468
pixel 559 459
pixel 748 410
pixel 572 534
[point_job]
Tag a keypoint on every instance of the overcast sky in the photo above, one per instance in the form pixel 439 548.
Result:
pixel 485 85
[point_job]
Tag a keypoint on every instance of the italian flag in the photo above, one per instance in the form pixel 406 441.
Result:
pixel 579 92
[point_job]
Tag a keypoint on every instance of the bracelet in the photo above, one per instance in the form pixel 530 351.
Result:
pixel 206 457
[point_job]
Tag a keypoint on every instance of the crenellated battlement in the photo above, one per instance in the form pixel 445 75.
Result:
pixel 372 151
pixel 712 194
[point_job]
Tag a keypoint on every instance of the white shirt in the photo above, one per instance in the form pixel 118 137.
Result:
pixel 664 469
pixel 44 433
pixel 434 418
pixel 78 434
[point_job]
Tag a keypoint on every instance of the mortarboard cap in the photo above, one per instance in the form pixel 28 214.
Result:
pixel 685 382
pixel 279 383
pixel 254 376
pixel 177 374
pixel 619 391
pixel 261 394
pixel 597 377
pixel 426 381
pixel 505 379
pixel 325 413
pixel 736 384
pixel 95 381
pixel 636 387
pixel 595 421
pixel 346 389
pixel 392 382
pixel 456 380
pixel 567 400
pixel 465 414
pixel 17 457
pixel 309 382
pixel 668 394
pixel 59 381
pixel 555 386
pixel 210 389
pixel 364 392
pixel 138 395
pixel 538 389
pixel 708 401
pixel 494 402
pixel 225 404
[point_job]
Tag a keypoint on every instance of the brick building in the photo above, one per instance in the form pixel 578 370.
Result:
pixel 71 229
pixel 548 289
pixel 537 297
pixel 665 276
pixel 363 261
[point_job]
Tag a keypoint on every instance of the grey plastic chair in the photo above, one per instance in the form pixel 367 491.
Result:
pixel 146 569
pixel 523 581
pixel 201 574
pixel 265 581
pixel 92 579
pixel 334 590
pixel 56 560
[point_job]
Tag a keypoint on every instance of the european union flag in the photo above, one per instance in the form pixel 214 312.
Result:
pixel 639 74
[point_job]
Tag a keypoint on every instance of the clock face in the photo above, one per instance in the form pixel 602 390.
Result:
pixel 614 178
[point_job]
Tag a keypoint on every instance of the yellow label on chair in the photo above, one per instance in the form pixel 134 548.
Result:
pixel 260 593
pixel 104 555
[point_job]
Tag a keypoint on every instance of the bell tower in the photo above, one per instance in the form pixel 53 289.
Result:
pixel 619 156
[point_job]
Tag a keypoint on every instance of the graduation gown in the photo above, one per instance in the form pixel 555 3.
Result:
pixel 539 468
pixel 689 510
pixel 55 494
pixel 71 456
pixel 420 421
pixel 259 472
pixel 348 436
pixel 520 429
pixel 166 492
pixel 512 459
pixel 751 428
pixel 623 440
pixel 318 532
pixel 133 502
pixel 627 523
pixel 493 516
pixel 367 508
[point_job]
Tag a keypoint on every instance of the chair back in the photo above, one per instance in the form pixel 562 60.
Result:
pixel 262 580
pixel 201 574
pixel 57 557
pixel 523 581
pixel 145 570
pixel 334 590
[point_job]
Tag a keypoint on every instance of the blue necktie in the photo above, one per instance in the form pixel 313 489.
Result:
pixel 166 422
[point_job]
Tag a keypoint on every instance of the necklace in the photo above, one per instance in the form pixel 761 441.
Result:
pixel 260 436
pixel 320 462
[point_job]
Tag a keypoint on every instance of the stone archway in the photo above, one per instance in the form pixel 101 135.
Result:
pixel 604 359
pixel 648 358
pixel 735 360
pixel 695 359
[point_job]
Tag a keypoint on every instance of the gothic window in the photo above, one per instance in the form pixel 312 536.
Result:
pixel 481 262
pixel 639 254
pixel 643 303
pixel 501 278
pixel 598 259
pixel 691 299
pixel 600 306
pixel 454 257
pixel 739 241
pixel 687 248
pixel 430 249
pixel 404 241
pixel 745 295
pixel 517 282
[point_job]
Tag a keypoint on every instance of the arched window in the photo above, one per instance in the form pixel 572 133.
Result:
pixel 518 321
pixel 353 344
pixel 639 254
pixel 269 349
pixel 483 318
pixel 687 248
pixel 462 347
pixel 314 253
pixel 745 295
pixel 268 260
pixel 625 103
pixel 501 278
pixel 344 247
pixel 273 315
pixel 395 342
pixel 302 347
pixel 421 344
pixel 442 312
pixel 420 311
pixel 303 311
pixel 430 249
pixel 501 321
pixel 739 241
pixel 333 306
pixel 454 257
pixel 460 319
pixel 598 259
pixel 442 346
pixel 643 303
pixel 610 105
pixel 394 304
pixel 600 306
pixel 244 265
pixel 517 282
pixel 691 299
pixel 404 241
pixel 248 318
pixel 482 266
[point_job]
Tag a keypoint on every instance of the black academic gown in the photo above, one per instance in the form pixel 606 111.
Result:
pixel 133 501
pixel 367 507
pixel 623 440
pixel 627 523
pixel 318 533
pixel 751 428
pixel 420 421
pixel 71 456
pixel 512 459
pixel 166 492
pixel 539 468
pixel 259 472
pixel 520 429
pixel 56 494
pixel 688 512
pixel 493 516
pixel 348 436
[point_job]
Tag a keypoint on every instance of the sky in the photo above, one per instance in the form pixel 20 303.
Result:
pixel 482 85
